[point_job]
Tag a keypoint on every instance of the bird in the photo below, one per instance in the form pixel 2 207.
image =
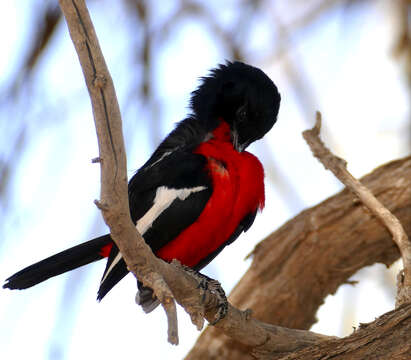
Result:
pixel 199 190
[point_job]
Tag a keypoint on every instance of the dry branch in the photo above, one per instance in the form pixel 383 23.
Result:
pixel 114 199
pixel 338 167
pixel 310 256
pixel 388 337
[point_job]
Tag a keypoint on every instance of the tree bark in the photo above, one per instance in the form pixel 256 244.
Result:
pixel 386 338
pixel 310 256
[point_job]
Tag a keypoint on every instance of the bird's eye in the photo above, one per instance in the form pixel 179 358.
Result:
pixel 242 114
pixel 228 86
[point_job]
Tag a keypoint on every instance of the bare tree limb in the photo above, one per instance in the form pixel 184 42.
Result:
pixel 114 200
pixel 338 167
pixel 388 337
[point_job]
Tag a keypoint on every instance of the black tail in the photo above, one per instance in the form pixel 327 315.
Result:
pixel 116 269
pixel 58 264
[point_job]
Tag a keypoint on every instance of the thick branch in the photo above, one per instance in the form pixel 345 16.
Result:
pixel 388 337
pixel 310 256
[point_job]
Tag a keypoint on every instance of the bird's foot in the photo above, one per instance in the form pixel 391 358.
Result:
pixel 205 283
pixel 146 299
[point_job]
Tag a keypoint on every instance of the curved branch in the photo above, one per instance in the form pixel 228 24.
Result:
pixel 338 167
pixel 114 198
pixel 388 337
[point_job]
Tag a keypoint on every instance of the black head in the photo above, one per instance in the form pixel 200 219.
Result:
pixel 241 95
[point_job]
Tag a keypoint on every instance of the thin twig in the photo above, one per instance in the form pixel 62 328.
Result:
pixel 339 168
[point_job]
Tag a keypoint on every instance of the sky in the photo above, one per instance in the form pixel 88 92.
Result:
pixel 356 84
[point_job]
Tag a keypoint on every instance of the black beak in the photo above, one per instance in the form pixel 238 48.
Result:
pixel 236 143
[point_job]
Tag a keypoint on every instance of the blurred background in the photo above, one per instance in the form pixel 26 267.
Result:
pixel 349 59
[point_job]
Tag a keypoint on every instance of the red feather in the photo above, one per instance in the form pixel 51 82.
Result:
pixel 105 250
pixel 238 189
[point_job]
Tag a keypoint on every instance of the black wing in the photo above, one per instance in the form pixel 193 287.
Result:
pixel 175 170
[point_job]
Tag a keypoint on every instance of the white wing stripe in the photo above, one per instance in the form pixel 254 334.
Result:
pixel 164 198
pixel 114 263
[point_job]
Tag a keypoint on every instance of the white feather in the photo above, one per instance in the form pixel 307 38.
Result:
pixel 161 158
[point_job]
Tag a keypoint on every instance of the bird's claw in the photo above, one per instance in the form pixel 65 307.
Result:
pixel 205 283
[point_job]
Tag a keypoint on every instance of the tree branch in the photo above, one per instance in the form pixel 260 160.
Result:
pixel 338 167
pixel 388 337
pixel 114 200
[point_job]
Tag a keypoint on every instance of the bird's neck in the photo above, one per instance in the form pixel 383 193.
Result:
pixel 222 132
